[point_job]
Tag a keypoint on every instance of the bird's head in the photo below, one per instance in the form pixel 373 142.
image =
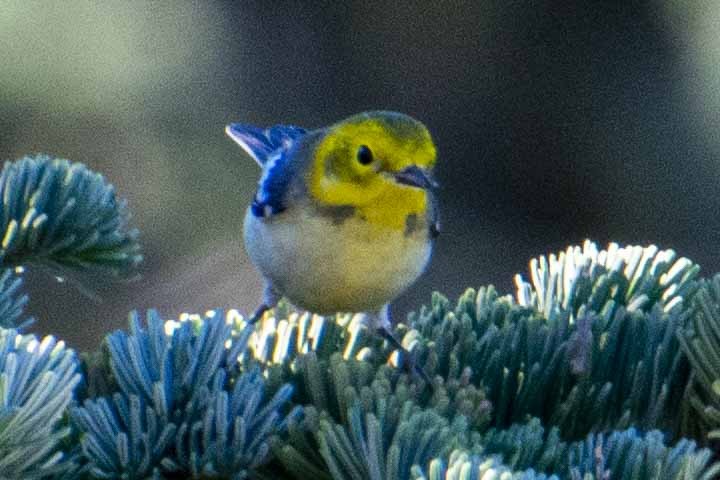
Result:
pixel 371 157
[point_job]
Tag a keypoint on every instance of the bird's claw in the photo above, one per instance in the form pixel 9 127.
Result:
pixel 258 313
pixel 408 360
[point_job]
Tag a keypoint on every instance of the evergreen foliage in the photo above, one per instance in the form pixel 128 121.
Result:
pixel 621 454
pixel 553 368
pixel 37 379
pixel 180 408
pixel 701 343
pixel 555 350
pixel 605 365
pixel 60 214
pixel 462 465
pixel 12 301
pixel 389 420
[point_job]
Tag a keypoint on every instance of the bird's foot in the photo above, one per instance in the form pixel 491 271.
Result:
pixel 411 367
pixel 270 300
pixel 408 360
pixel 258 313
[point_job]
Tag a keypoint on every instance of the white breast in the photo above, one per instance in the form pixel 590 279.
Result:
pixel 327 265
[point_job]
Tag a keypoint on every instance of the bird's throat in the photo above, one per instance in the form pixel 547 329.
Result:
pixel 394 205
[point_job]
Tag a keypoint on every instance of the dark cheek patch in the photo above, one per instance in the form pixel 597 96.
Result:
pixel 411 224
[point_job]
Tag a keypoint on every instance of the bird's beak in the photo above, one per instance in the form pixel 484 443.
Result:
pixel 415 176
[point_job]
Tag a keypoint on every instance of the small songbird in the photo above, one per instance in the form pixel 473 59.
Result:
pixel 344 217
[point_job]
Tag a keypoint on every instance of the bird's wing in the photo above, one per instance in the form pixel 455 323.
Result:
pixel 271 196
pixel 270 148
pixel 261 144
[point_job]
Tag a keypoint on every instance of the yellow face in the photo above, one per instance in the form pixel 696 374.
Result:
pixel 362 162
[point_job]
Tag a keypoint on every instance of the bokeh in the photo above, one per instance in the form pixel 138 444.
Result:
pixel 554 123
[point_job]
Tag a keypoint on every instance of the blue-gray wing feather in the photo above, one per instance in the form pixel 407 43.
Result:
pixel 273 149
pixel 262 143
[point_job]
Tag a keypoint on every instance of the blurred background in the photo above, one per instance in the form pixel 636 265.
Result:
pixel 553 124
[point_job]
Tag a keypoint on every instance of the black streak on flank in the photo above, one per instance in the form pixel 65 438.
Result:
pixel 411 224
pixel 337 215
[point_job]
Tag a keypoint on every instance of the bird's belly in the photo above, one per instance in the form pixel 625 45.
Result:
pixel 327 265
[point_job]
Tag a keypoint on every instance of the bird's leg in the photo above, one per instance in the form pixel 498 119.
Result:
pixel 270 299
pixel 408 359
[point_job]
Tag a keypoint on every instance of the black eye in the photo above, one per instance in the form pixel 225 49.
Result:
pixel 364 155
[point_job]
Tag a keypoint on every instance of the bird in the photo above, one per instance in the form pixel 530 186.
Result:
pixel 345 217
